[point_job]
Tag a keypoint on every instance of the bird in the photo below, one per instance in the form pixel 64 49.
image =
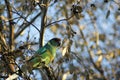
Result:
pixel 45 54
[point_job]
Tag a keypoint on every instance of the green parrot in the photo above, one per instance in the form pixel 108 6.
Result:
pixel 46 53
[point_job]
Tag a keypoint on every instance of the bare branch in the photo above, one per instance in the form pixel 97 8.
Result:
pixel 28 24
pixel 11 26
pixel 91 59
pixel 11 29
pixel 43 16
pixel 59 21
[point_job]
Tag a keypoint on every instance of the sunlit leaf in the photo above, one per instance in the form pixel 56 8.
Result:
pixel 22 33
pixel 54 28
pixel 118 51
pixel 100 58
pixel 82 27
pixel 99 52
pixel 90 12
pixel 110 55
pixel 85 43
pixel 64 51
pixel 98 64
pixel 65 75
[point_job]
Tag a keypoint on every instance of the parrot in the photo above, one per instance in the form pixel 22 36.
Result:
pixel 45 54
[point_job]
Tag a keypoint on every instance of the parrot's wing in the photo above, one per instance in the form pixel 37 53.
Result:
pixel 41 50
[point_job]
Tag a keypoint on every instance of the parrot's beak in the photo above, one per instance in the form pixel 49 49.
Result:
pixel 59 42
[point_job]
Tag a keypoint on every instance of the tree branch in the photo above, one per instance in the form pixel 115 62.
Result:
pixel 11 26
pixel 91 59
pixel 11 30
pixel 42 28
pixel 28 24
pixel 59 21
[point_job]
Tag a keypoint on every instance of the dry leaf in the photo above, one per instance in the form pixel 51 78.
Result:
pixel 100 58
pixel 65 75
pixel 64 51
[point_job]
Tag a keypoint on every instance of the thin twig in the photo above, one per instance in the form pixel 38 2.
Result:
pixel 90 55
pixel 59 21
pixel 25 19
pixel 29 22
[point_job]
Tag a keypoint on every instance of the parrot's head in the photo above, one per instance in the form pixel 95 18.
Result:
pixel 55 42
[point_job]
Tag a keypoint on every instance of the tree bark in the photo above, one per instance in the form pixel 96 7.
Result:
pixel 11 31
pixel 43 20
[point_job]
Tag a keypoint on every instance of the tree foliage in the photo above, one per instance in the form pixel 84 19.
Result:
pixel 89 30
